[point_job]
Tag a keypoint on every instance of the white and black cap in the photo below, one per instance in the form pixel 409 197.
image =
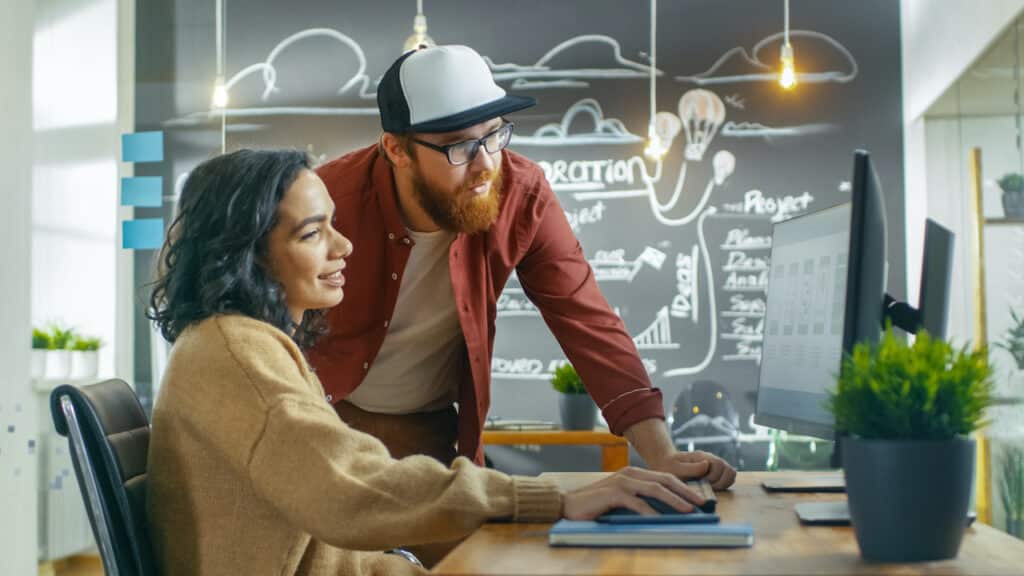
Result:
pixel 441 89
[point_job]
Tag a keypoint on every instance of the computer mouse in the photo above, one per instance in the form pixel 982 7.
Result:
pixel 662 508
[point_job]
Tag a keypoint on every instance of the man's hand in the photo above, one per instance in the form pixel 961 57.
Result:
pixel 691 465
pixel 651 440
pixel 623 489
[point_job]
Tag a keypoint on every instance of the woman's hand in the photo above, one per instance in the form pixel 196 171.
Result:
pixel 623 489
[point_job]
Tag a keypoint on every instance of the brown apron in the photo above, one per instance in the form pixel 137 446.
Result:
pixel 430 433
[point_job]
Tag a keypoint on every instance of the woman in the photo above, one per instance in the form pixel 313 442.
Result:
pixel 250 469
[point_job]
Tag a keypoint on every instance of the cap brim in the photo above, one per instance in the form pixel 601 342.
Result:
pixel 474 116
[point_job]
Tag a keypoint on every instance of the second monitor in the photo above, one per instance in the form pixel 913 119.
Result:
pixel 826 293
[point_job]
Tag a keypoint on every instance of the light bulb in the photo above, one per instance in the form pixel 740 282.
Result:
pixel 220 94
pixel 419 34
pixel 787 79
pixel 656 147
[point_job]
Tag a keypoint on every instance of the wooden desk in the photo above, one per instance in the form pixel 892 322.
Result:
pixel 781 546
pixel 614 449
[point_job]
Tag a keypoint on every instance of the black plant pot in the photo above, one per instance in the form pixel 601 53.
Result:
pixel 908 499
pixel 1013 204
pixel 578 411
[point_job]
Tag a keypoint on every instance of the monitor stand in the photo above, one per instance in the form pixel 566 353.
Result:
pixel 833 512
pixel 821 481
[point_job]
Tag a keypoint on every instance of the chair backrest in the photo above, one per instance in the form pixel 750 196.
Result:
pixel 108 434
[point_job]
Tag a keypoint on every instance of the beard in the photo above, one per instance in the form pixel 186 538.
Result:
pixel 457 210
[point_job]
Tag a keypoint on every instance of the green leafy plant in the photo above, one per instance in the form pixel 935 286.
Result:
pixel 927 391
pixel 86 344
pixel 1012 182
pixel 60 338
pixel 1011 483
pixel 1013 340
pixel 40 339
pixel 567 381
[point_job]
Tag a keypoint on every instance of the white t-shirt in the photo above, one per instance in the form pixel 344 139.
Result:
pixel 423 354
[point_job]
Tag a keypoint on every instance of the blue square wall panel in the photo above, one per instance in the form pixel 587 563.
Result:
pixel 142 234
pixel 142 191
pixel 142 147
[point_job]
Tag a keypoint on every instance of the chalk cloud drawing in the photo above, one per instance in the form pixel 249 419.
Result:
pixel 604 131
pixel 269 71
pixel 756 130
pixel 757 70
pixel 543 74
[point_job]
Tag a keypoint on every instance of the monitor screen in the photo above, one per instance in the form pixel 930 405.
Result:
pixel 803 341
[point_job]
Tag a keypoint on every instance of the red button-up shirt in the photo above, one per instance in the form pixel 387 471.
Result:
pixel 530 236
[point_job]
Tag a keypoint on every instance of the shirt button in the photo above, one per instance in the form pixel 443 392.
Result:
pixel 394 275
pixel 329 397
pixel 366 365
pixel 391 236
pixel 406 240
pixel 386 323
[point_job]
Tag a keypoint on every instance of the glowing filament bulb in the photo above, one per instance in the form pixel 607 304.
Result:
pixel 787 79
pixel 220 94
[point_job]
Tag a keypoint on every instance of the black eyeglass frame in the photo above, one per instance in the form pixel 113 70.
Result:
pixel 477 144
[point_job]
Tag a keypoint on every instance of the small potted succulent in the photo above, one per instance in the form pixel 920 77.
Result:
pixel 1012 185
pixel 577 409
pixel 904 413
pixel 1011 489
pixel 58 355
pixel 85 357
pixel 40 344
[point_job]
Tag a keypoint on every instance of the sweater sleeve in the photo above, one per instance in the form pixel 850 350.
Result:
pixel 342 486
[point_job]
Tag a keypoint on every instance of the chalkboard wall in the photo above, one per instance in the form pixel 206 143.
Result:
pixel 679 247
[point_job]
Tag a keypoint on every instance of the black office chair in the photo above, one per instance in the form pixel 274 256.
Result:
pixel 108 434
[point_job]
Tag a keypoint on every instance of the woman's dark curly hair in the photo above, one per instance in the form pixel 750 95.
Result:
pixel 214 260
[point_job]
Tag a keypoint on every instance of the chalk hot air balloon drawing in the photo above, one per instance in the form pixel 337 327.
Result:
pixel 701 113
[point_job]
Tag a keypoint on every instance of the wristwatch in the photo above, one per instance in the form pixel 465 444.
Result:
pixel 407 555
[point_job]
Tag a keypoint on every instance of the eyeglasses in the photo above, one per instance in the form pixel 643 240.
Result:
pixel 464 152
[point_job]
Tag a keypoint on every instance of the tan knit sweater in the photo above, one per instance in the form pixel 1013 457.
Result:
pixel 251 471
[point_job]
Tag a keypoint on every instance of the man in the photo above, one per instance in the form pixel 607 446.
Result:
pixel 440 215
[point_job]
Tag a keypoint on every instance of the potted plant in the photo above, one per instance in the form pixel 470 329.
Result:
pixel 904 413
pixel 577 409
pixel 40 343
pixel 58 356
pixel 1012 185
pixel 1013 340
pixel 1011 489
pixel 85 357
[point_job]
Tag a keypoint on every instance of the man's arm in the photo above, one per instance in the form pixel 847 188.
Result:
pixel 558 279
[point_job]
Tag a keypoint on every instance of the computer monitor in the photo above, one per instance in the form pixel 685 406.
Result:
pixel 826 293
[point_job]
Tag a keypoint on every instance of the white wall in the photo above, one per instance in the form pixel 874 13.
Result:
pixel 940 39
pixel 66 79
pixel 17 462
pixel 75 184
